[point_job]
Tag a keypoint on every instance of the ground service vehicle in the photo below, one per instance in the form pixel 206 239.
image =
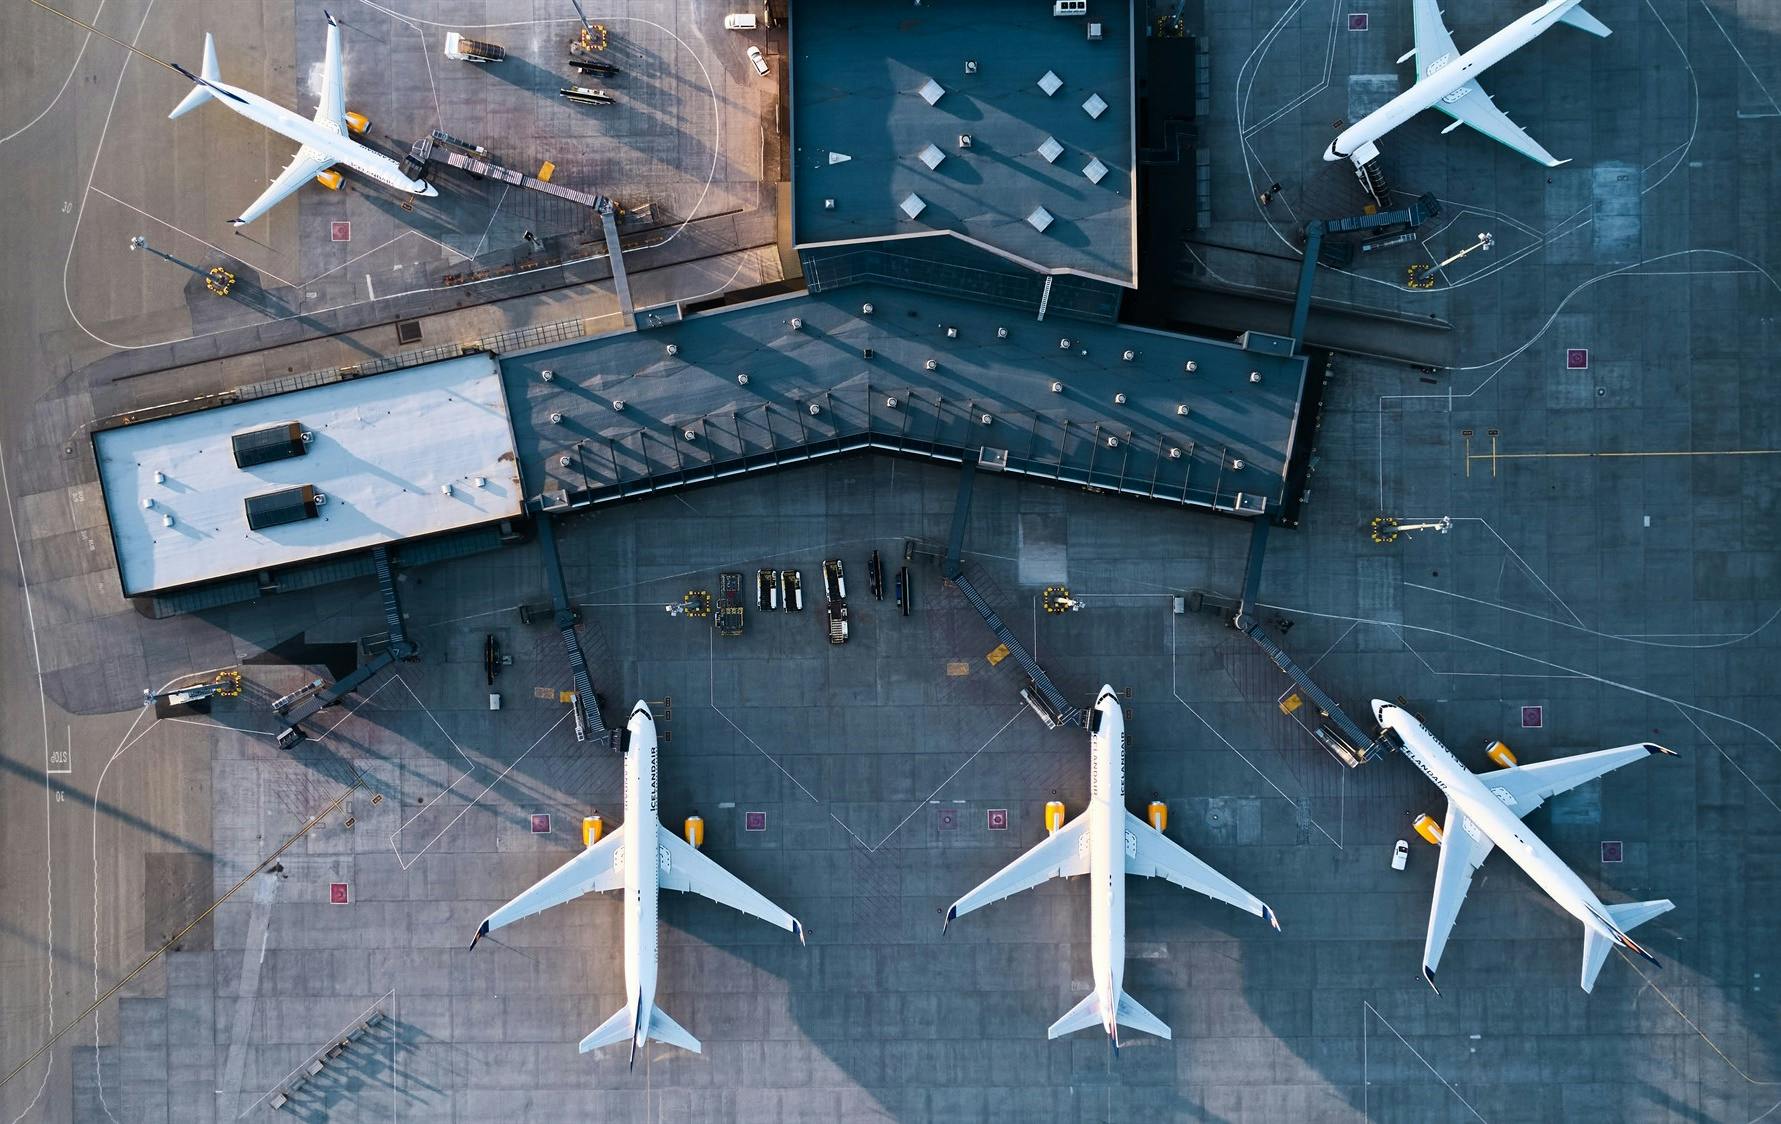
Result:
pixel 834 584
pixel 465 49
pixel 791 590
pixel 741 21
pixel 766 590
pixel 728 617
pixel 759 60
pixel 581 95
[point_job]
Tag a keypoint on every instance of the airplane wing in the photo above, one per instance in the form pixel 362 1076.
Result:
pixel 331 113
pixel 1151 854
pixel 1062 854
pixel 1470 105
pixel 599 868
pixel 686 870
pixel 1463 850
pixel 1525 787
pixel 1434 43
pixel 305 166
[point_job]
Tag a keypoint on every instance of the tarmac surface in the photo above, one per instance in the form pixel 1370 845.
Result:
pixel 1612 561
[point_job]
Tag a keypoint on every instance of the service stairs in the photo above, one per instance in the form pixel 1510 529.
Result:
pixel 400 646
pixel 1066 715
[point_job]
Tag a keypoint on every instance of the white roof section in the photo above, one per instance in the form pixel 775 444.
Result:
pixel 931 156
pixel 1050 83
pixel 1040 219
pixel 1050 149
pixel 913 205
pixel 383 449
pixel 1095 105
pixel 1095 170
pixel 931 92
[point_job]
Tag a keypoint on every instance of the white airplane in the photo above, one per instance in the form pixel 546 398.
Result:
pixel 641 859
pixel 1448 81
pixel 326 140
pixel 1484 810
pixel 1106 842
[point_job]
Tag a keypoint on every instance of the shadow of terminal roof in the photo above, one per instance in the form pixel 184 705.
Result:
pixel 633 413
pixel 857 69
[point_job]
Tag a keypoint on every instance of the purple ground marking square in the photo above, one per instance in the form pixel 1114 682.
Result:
pixel 337 894
pixel 998 819
pixel 540 823
pixel 1612 850
pixel 754 821
pixel 340 230
pixel 949 818
pixel 1357 21
pixel 1533 717
pixel 1577 359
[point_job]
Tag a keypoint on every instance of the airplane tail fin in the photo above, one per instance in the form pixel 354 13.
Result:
pixel 622 1025
pixel 209 72
pixel 1626 916
pixel 1080 1017
pixel 1132 1013
pixel 1127 1012
pixel 1583 21
pixel 664 1029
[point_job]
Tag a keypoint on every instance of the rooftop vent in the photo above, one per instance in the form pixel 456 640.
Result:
pixel 931 156
pixel 1094 106
pixel 839 158
pixel 1096 31
pixel 1050 83
pixel 1051 150
pixel 964 140
pixel 912 205
pixel 931 92
pixel 1095 171
pixel 970 66
pixel 263 446
pixel 287 505
pixel 1039 219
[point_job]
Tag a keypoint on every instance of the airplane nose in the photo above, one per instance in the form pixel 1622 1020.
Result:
pixel 1330 152
pixel 1379 708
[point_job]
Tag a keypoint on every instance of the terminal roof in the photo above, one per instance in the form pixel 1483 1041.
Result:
pixel 379 449
pixel 865 79
pixel 789 379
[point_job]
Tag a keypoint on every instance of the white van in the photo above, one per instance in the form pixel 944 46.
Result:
pixel 741 21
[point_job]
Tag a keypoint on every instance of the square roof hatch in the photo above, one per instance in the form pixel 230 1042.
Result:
pixel 1050 83
pixel 287 505
pixel 913 205
pixel 1051 150
pixel 931 92
pixel 931 156
pixel 273 443
pixel 1095 171
pixel 1039 219
pixel 1094 106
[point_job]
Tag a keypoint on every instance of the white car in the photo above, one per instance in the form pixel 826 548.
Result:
pixel 1400 855
pixel 759 60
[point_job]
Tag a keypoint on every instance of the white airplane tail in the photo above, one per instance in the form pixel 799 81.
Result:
pixel 1624 917
pixel 628 1023
pixel 1128 1012
pixel 210 72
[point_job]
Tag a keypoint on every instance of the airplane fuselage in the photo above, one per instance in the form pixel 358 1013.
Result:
pixel 1440 79
pixel 643 870
pixel 338 147
pixel 1497 820
pixel 1107 858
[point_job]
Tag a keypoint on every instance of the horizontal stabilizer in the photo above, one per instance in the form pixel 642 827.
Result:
pixel 1080 1017
pixel 1624 917
pixel 615 1029
pixel 198 96
pixel 1583 21
pixel 1132 1013
pixel 664 1029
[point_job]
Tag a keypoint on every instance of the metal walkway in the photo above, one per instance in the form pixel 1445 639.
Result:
pixel 588 723
pixel 518 179
pixel 401 647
